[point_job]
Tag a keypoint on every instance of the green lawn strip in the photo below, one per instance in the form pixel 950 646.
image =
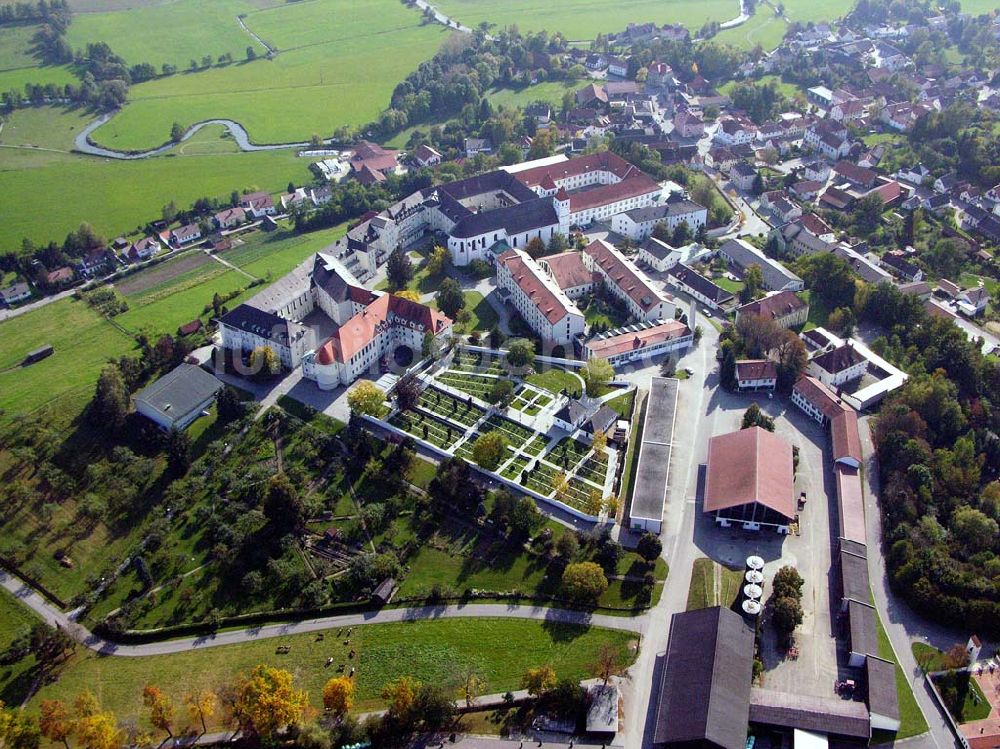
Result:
pixel 557 380
pixel 514 432
pixel 432 652
pixel 701 593
pixel 631 454
pixel 537 444
pixel 912 721
pixel 437 431
pixel 974 706
pixel 272 255
pixel 594 469
pixel 513 470
pixel 310 415
pixel 475 362
pixel 763 28
pixel 449 407
pixel 623 404
pixel 15 621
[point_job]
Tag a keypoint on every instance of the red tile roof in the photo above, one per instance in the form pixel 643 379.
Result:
pixel 623 275
pixel 529 280
pixel 846 438
pixel 596 162
pixel 386 310
pixel 774 306
pixel 568 270
pixel 750 466
pixel 756 369
pixel 633 187
pixel 605 348
pixel 822 397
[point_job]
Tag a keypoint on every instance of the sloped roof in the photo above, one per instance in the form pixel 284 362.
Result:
pixel 846 439
pixel 179 392
pixel 568 270
pixel 750 466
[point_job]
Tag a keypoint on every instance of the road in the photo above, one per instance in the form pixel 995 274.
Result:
pixel 56 618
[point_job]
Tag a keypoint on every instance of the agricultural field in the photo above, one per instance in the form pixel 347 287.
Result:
pixel 104 202
pixel 434 653
pixel 83 342
pixel 585 19
pixel 331 70
pixel 763 28
pixel 19 66
pixel 193 29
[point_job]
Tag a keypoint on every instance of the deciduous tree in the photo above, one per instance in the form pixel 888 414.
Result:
pixel 450 298
pixel 202 706
pixel 608 663
pixel 649 547
pixel 520 353
pixel 399 695
pixel 537 681
pixel 55 722
pixel 366 398
pixel 338 695
pixel 398 269
pixel 596 374
pixel 264 701
pixel 584 581
pixel 161 709
pixel 489 450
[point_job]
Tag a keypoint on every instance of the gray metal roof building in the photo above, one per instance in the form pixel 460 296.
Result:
pixel 178 398
pixel 834 717
pixel 653 469
pixel 705 689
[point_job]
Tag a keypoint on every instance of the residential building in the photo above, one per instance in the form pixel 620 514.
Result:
pixel 817 400
pixel 642 342
pixel 638 223
pixel 756 375
pixel 474 146
pixel 899 266
pixel 371 157
pixel 185 235
pixel 538 299
pixel 696 285
pixel 838 366
pixel 777 277
pixel 625 281
pixel 230 217
pixel 688 125
pixel 571 274
pixel 784 308
pixel 258 204
pixel 144 249
pixel 742 176
pixel 426 156
pixel 16 292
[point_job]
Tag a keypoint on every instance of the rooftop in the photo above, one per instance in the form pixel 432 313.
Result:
pixel 750 466
pixel 179 392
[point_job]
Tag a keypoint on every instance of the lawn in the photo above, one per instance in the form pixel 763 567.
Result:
pixel 83 343
pixel 19 66
pixel 43 127
pixel 274 254
pixel 550 91
pixel 481 315
pixel 763 28
pixel 432 652
pixel 788 89
pixel 585 19
pixel 332 73
pixel 556 380
pixel 15 619
pixel 804 11
pixel 702 594
pixel 631 454
pixel 623 404
pixel 196 28
pixel 912 720
pixel 733 287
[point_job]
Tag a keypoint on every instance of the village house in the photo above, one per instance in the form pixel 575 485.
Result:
pixel 16 292
pixel 258 204
pixel 688 125
pixel 777 277
pixel 838 366
pixel 638 223
pixel 230 217
pixel 784 308
pixel 696 285
pixel 426 156
pixel 756 375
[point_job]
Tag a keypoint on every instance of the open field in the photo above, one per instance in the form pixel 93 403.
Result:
pixel 273 255
pixel 434 652
pixel 333 70
pixel 585 19
pixel 763 28
pixel 83 343
pixel 788 89
pixel 805 11
pixel 15 46
pixel 117 196
pixel 550 91
pixel 43 127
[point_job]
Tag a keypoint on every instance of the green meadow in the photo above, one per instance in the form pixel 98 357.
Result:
pixel 585 19
pixel 83 342
pixel 118 196
pixel 337 64
pixel 763 28
pixel 174 32
pixel 18 66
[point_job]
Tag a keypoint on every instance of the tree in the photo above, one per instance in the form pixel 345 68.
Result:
pixel 600 443
pixel 338 695
pixel 408 391
pixel 450 298
pixel 535 247
pixel 161 709
pixel 177 132
pixel 265 701
pixel 178 452
pixel 594 503
pixel 753 284
pixel 608 663
pixel 201 706
pixel 407 294
pixel 489 450
pixel 681 235
pixel 524 518
pixel 366 398
pixel 264 362
pixel 229 404
pixel 596 374
pixel 472 684
pixel 758 186
pixel 584 581
pixel 437 261
pixel 502 392
pixel 94 728
pixel 558 242
pixel 760 334
pixel 788 583
pixel 18 729
pixel 399 695
pixel 398 269
pixel 55 722
pixel 538 681
pixel 251 53
pixel 754 417
pixel 867 213
pixel 649 547
pixel 110 405
pixel 520 353
pixel 568 546
pixel 792 359
pixel 787 614
pixel 973 529
pixel 956 657
pixel 283 506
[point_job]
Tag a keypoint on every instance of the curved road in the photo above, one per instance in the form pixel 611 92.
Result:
pixel 54 617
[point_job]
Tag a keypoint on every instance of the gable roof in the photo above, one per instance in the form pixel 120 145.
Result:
pixel 756 369
pixel 773 306
pixel 624 275
pixel 705 687
pixel 179 392
pixel 839 359
pixel 568 270
pixel 750 466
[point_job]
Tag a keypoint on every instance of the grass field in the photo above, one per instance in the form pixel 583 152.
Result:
pixel 912 721
pixel 432 652
pixel 116 196
pixel 585 19
pixel 805 11
pixel 763 28
pixel 788 89
pixel 172 32
pixel 83 343
pixel 550 91
pixel 19 66
pixel 332 70
pixel 43 127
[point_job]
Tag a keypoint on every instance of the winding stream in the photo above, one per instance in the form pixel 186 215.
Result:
pixel 83 144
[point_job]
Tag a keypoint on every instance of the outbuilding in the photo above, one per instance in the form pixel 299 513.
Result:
pixel 178 398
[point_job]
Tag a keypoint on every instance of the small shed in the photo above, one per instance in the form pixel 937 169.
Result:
pixel 385 591
pixel 39 353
